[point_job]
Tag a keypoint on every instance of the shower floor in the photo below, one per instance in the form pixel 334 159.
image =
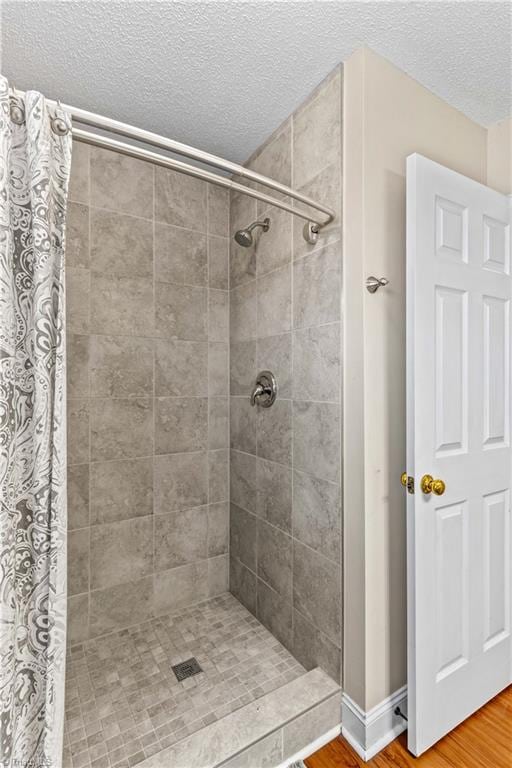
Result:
pixel 124 703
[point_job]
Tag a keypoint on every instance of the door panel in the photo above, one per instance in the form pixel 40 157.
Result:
pixel 496 555
pixel 458 429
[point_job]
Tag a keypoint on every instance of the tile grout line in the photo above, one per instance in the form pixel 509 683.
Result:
pixel 153 542
pixel 293 388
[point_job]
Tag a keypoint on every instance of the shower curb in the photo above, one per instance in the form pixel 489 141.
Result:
pixel 270 729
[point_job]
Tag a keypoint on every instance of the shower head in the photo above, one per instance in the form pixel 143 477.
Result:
pixel 244 236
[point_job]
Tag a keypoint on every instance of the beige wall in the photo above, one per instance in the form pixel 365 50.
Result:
pixel 387 117
pixel 499 156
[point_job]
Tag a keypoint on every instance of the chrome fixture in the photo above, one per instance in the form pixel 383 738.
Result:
pixel 134 134
pixel 374 283
pixel 265 390
pixel 310 232
pixel 244 236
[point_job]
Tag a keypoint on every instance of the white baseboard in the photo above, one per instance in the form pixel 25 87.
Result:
pixel 313 747
pixel 369 732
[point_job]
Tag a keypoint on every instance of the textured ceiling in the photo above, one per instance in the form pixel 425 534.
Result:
pixel 223 75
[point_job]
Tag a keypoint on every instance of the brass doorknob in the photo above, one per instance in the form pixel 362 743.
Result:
pixel 403 479
pixel 430 485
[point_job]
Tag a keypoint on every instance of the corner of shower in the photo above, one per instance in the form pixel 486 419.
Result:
pixel 164 663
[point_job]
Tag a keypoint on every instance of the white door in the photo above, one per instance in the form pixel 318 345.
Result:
pixel 458 431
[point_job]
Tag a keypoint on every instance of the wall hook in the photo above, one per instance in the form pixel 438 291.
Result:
pixel 374 283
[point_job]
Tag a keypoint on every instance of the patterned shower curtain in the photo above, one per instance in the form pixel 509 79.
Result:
pixel 35 159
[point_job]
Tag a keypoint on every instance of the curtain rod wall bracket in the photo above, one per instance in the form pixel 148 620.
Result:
pixel 310 232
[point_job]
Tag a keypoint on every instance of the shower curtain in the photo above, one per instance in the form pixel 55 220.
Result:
pixel 35 159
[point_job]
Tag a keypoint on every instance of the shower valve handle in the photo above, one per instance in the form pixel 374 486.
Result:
pixel 265 390
pixel 257 392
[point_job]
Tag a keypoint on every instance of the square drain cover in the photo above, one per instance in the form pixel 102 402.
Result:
pixel 186 669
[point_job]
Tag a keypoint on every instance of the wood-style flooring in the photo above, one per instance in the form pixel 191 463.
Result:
pixel 482 741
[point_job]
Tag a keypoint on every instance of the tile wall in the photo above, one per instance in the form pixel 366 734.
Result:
pixel 285 463
pixel 147 330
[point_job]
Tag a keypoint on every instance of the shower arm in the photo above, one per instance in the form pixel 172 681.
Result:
pixel 314 223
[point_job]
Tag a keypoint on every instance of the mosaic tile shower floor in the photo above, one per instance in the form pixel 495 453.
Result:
pixel 124 703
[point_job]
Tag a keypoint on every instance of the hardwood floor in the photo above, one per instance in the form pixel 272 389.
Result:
pixel 482 741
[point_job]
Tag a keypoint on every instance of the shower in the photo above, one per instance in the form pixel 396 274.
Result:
pixel 244 236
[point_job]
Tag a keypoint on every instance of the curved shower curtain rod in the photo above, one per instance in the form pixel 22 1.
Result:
pixel 100 122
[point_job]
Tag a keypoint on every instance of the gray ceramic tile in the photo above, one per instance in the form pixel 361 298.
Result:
pixel 314 649
pixel 317 132
pixel 317 288
pixel 317 590
pixel 120 606
pixel 79 177
pixel 275 612
pixel 317 438
pixel 274 432
pixel 275 558
pixel 218 475
pixel 78 496
pixel 274 247
pixel 181 481
pixel 218 529
pixel 180 256
pixel 275 302
pixel 121 490
pixel 121 183
pixel 181 368
pixel 78 293
pixel 242 261
pixel 78 618
pixel 218 210
pixel 181 587
pixel 274 354
pixel 121 305
pixel 243 367
pixel 316 363
pixel 77 235
pixel 77 365
pixel 181 538
pixel 218 315
pixel 181 424
pixel 317 514
pixel 266 753
pixel 218 423
pixel 274 159
pixel 242 583
pixel 242 727
pixel 299 733
pixel 121 245
pixel 121 429
pixel 243 312
pixel 144 711
pixel 218 575
pixel 180 312
pixel 243 480
pixel 78 561
pixel 78 430
pixel 218 262
pixel 242 425
pixel 325 187
pixel 121 366
pixel 243 533
pixel 218 369
pixel 121 552
pixel 180 200
pixel 274 494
